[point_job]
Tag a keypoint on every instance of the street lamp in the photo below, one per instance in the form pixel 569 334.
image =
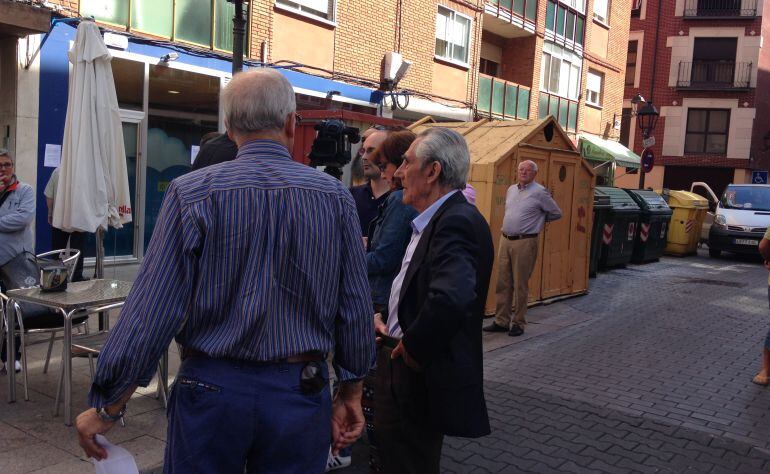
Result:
pixel 239 30
pixel 647 118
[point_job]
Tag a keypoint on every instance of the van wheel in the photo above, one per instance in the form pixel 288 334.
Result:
pixel 715 253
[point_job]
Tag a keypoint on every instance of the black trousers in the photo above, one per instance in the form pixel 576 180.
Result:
pixel 407 442
pixel 77 242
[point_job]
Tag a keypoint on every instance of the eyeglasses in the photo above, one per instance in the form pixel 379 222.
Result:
pixel 6 165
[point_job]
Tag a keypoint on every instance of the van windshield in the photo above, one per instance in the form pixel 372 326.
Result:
pixel 755 198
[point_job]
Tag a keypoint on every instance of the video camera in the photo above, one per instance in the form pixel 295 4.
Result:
pixel 331 147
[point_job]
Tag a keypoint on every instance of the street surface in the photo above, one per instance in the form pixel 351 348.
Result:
pixel 653 376
pixel 650 372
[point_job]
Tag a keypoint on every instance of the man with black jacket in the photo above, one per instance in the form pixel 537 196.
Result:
pixel 429 365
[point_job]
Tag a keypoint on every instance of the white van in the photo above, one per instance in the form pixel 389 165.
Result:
pixel 737 222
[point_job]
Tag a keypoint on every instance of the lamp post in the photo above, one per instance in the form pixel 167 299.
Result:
pixel 647 118
pixel 239 30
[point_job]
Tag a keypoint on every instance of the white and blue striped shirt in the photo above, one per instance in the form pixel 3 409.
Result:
pixel 256 259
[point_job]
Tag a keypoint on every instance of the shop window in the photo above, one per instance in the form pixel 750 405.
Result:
pixel 707 131
pixel 453 31
pixel 633 46
pixel 602 11
pixel 594 88
pixel 320 8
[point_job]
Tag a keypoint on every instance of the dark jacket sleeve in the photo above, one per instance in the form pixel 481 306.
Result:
pixel 451 291
pixel 393 236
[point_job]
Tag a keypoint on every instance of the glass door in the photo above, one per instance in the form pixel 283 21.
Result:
pixel 120 244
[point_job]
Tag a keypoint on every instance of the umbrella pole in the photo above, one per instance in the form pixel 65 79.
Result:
pixel 104 321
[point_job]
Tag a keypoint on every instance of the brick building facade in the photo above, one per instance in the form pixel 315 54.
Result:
pixel 699 62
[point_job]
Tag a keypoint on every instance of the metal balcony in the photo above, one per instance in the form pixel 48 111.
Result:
pixel 714 75
pixel 715 9
pixel 510 18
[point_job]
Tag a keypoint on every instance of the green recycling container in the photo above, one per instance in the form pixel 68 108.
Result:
pixel 601 210
pixel 619 228
pixel 651 233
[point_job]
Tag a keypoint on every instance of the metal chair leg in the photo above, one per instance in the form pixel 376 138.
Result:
pixel 58 391
pixel 24 367
pixel 48 356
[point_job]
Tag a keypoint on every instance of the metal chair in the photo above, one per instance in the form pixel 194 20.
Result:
pixel 48 322
pixel 90 346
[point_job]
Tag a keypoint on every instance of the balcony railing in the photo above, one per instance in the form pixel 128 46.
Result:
pixel 521 8
pixel 502 99
pixel 720 8
pixel 564 110
pixel 714 75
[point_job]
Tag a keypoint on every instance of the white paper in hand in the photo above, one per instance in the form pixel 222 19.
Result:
pixel 118 461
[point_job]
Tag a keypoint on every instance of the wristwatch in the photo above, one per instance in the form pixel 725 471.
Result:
pixel 104 416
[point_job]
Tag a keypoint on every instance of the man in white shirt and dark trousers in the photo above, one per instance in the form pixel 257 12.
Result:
pixel 528 206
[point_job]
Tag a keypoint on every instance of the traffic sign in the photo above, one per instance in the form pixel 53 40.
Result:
pixel 648 160
pixel 648 142
pixel 759 177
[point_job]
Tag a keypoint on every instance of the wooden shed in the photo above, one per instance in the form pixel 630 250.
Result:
pixel 497 148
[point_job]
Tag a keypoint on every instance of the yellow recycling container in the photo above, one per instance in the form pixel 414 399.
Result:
pixel 686 222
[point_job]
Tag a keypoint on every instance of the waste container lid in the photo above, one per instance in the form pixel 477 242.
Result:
pixel 619 200
pixel 602 201
pixel 687 200
pixel 649 201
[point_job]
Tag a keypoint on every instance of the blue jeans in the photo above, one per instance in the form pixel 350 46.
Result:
pixel 228 416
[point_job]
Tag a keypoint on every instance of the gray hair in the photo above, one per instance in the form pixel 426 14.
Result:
pixel 531 164
pixel 6 152
pixel 451 151
pixel 257 100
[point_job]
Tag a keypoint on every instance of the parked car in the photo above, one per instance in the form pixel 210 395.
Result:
pixel 738 220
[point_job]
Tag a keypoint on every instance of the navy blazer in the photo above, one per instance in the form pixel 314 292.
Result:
pixel 441 308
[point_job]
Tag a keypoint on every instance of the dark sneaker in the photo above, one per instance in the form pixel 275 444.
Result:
pixel 494 327
pixel 515 331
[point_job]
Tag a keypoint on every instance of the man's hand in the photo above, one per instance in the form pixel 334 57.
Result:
pixel 767 264
pixel 380 328
pixel 88 425
pixel 347 416
pixel 400 351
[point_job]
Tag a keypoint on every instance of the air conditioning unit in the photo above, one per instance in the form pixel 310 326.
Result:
pixel 394 68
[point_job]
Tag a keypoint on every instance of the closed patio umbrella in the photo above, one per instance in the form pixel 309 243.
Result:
pixel 93 190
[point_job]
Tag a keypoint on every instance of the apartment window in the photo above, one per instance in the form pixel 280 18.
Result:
pixel 565 21
pixel 625 127
pixel 636 8
pixel 489 67
pixel 320 8
pixel 633 46
pixel 179 20
pixel 579 5
pixel 602 10
pixel 594 87
pixel 560 73
pixel 453 32
pixel 707 131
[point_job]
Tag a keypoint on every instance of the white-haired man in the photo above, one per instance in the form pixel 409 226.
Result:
pixel 528 206
pixel 256 266
pixel 429 366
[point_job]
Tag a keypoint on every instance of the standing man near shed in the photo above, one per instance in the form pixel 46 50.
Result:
pixel 528 206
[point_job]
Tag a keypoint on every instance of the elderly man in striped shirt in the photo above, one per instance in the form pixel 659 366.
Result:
pixel 256 267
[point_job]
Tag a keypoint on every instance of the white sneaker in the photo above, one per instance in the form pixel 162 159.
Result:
pixel 17 366
pixel 4 367
pixel 337 462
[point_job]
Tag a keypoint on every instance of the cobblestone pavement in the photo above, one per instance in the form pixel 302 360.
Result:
pixel 654 376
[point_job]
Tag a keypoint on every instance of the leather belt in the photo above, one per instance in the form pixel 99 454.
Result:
pixel 519 236
pixel 188 352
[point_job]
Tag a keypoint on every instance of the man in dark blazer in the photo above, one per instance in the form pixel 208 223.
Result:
pixel 429 365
